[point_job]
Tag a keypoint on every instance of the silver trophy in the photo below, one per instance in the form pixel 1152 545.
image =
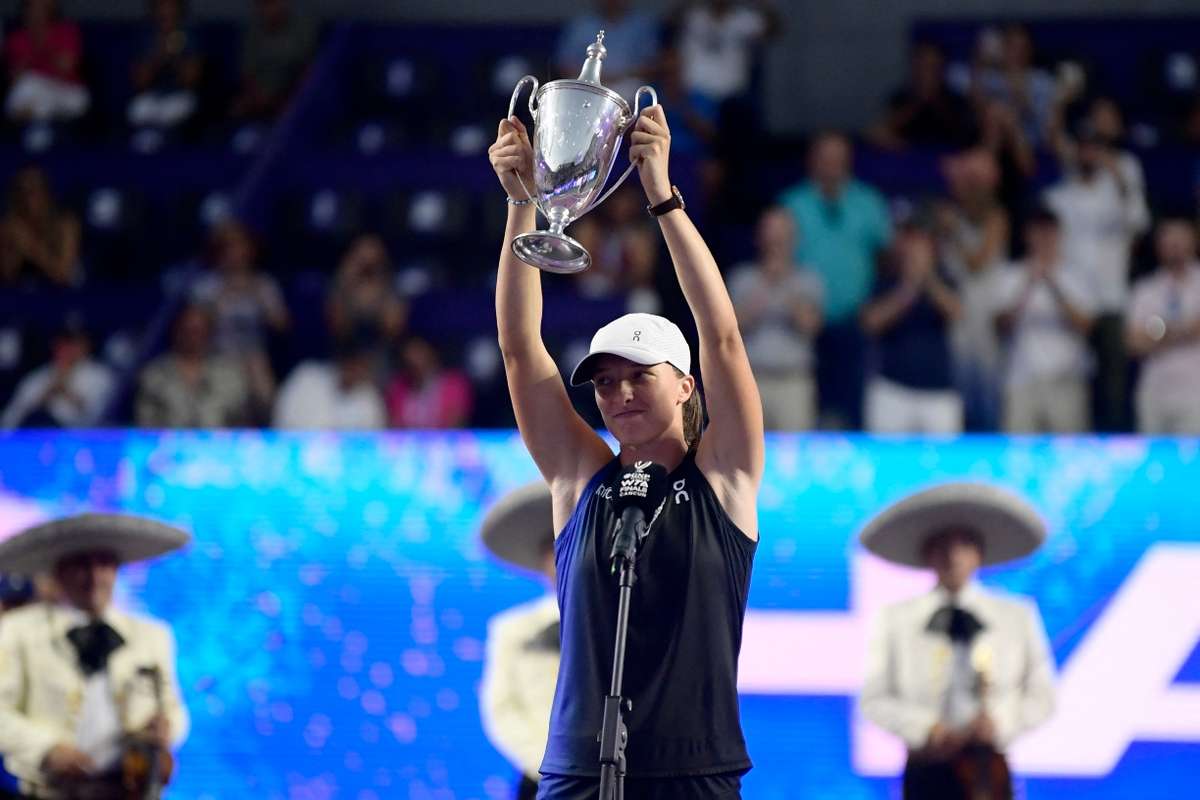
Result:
pixel 578 125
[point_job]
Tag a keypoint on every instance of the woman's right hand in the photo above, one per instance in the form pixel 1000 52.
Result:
pixel 512 155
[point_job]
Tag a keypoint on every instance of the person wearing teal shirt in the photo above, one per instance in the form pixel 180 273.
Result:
pixel 843 225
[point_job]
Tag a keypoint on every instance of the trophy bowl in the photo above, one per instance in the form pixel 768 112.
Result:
pixel 578 127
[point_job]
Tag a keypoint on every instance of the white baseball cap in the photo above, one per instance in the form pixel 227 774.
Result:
pixel 641 338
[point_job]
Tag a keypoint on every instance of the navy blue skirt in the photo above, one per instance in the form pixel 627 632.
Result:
pixel 692 787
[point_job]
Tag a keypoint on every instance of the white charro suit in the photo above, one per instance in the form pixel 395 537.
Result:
pixel 908 669
pixel 43 688
pixel 519 677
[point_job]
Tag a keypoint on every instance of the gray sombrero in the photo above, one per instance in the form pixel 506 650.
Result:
pixel 1009 526
pixel 131 538
pixel 520 526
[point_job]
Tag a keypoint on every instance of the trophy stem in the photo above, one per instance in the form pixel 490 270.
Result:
pixel 558 218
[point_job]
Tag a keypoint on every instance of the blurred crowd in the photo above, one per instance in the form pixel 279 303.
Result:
pixel 1039 290
pixel 44 54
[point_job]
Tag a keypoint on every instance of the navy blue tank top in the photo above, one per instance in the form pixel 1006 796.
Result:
pixel 685 632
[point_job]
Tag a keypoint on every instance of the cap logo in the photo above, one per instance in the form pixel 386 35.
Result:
pixel 637 336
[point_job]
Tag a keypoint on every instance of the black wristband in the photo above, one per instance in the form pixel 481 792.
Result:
pixel 670 204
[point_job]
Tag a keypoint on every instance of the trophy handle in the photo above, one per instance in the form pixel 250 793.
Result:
pixel 512 106
pixel 637 97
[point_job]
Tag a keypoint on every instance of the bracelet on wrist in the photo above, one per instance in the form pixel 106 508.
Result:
pixel 512 202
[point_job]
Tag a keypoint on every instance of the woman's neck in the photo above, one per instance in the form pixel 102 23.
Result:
pixel 668 451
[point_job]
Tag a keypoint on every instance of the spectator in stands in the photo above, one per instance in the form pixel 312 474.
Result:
pixel 72 391
pixel 925 112
pixel 1044 312
pixel 695 131
pixel 276 51
pixel 1163 329
pixel 334 395
pixel 778 305
pixel 1001 136
pixel 43 57
pixel 1004 70
pixel 630 37
pixel 364 293
pixel 189 387
pixel 247 304
pixel 39 242
pixel 424 393
pixel 719 42
pixel 1189 126
pixel 845 224
pixel 973 240
pixel 1101 202
pixel 912 308
pixel 640 271
pixel 168 71
pixel 612 225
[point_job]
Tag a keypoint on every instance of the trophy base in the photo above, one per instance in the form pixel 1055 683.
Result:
pixel 552 252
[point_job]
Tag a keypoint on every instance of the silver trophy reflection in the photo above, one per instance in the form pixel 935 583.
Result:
pixel 578 126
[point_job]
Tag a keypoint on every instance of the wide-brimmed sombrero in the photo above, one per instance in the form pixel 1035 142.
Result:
pixel 130 538
pixel 520 526
pixel 1008 525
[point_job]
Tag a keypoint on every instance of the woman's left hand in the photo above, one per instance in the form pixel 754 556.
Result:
pixel 650 149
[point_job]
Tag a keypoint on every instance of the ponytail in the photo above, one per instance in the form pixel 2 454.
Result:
pixel 693 416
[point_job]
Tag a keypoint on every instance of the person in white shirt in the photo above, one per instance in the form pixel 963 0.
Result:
pixel 333 395
pixel 1163 329
pixel 82 682
pixel 718 40
pixel 1044 314
pixel 778 306
pixel 960 672
pixel 520 670
pixel 72 391
pixel 1101 204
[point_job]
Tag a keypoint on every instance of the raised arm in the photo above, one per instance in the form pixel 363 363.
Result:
pixel 731 450
pixel 565 449
pixel 879 315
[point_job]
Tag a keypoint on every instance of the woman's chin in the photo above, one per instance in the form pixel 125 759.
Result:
pixel 632 429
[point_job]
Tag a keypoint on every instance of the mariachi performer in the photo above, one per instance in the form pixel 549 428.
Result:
pixel 960 672
pixel 89 703
pixel 521 668
pixel 15 591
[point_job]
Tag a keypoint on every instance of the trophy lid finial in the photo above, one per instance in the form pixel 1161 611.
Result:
pixel 596 52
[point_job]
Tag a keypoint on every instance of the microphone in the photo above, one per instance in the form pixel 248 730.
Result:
pixel 640 491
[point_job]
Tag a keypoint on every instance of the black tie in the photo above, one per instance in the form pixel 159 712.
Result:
pixel 959 625
pixel 94 643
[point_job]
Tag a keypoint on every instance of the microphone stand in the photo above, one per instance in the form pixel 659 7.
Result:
pixel 613 733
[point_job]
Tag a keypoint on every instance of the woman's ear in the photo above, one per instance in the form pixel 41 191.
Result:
pixel 687 386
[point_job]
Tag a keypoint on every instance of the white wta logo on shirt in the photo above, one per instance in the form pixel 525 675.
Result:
pixel 636 483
